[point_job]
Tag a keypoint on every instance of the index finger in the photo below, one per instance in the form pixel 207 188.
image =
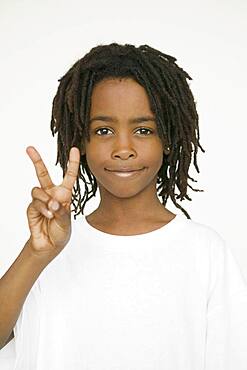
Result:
pixel 41 170
pixel 72 170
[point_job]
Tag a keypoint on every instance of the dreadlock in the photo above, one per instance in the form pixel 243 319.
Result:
pixel 171 101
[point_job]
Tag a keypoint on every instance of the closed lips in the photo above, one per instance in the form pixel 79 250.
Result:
pixel 125 170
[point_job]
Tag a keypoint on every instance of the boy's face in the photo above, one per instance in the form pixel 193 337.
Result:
pixel 116 143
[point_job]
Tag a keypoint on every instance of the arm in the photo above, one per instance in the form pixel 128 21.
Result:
pixel 15 285
pixel 50 230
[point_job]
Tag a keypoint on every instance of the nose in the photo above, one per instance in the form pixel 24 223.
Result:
pixel 123 148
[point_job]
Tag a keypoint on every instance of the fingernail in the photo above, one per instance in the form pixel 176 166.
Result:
pixel 55 205
pixel 49 214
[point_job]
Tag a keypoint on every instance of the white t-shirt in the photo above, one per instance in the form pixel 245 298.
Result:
pixel 173 298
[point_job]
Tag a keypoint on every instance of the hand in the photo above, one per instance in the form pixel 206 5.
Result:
pixel 51 227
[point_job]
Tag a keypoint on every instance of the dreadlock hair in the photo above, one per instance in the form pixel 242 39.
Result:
pixel 171 101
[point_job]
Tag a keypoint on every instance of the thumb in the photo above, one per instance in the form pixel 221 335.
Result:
pixel 61 214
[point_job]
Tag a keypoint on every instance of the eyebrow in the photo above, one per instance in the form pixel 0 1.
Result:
pixel 113 119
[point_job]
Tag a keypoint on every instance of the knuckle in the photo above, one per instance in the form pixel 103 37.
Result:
pixel 34 191
pixel 48 187
pixel 39 193
pixel 38 204
pixel 72 173
pixel 34 203
pixel 43 173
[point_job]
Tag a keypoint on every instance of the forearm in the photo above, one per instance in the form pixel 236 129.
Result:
pixel 15 285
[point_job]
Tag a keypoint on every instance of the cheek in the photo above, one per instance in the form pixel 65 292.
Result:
pixel 154 155
pixel 90 162
pixel 95 158
pixel 157 163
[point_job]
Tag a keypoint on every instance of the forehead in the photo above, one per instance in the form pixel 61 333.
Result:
pixel 119 94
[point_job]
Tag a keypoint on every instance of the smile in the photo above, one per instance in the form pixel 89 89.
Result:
pixel 126 173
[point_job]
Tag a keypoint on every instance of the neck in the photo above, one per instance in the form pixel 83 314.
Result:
pixel 128 210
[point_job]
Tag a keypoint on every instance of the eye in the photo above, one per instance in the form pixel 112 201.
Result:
pixel 141 128
pixel 102 128
pixel 145 129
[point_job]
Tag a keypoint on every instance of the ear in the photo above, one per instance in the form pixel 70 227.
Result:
pixel 167 151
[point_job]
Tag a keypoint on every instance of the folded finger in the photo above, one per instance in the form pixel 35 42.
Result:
pixel 41 207
pixel 39 193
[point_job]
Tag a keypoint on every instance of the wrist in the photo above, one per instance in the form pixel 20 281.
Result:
pixel 40 257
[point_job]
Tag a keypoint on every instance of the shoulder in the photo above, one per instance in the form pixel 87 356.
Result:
pixel 205 244
pixel 196 230
pixel 212 247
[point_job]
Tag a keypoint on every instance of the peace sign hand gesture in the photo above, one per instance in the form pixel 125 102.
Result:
pixel 51 227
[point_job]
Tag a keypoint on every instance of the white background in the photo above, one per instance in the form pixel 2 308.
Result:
pixel 40 40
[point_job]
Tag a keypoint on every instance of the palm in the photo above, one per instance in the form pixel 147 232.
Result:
pixel 53 233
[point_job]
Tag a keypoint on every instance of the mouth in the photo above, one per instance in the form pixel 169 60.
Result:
pixel 125 169
pixel 125 173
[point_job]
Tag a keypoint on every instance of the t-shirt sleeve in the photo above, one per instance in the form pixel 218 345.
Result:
pixel 226 339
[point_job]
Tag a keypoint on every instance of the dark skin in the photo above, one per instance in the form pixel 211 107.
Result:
pixel 127 206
